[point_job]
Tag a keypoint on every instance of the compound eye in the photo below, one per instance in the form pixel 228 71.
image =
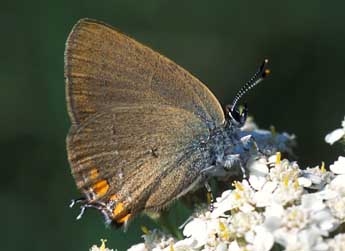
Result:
pixel 238 118
pixel 244 114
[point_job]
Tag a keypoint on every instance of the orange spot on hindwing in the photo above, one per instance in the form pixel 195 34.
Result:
pixel 124 219
pixel 113 197
pixel 119 209
pixel 100 188
pixel 90 175
pixel 120 213
pixel 93 173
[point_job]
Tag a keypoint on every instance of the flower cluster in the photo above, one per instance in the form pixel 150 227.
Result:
pixel 279 206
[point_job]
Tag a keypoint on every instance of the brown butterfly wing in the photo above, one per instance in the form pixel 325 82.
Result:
pixel 137 157
pixel 105 68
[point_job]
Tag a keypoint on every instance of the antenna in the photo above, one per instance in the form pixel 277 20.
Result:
pixel 259 75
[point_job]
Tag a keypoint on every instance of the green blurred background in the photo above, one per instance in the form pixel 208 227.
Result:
pixel 221 42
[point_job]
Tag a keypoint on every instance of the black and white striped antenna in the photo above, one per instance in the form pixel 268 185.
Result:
pixel 259 75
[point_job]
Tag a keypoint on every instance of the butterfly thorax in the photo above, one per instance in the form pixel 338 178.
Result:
pixel 228 149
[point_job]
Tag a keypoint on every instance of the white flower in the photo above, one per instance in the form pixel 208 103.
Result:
pixel 338 167
pixel 242 223
pixel 155 241
pixel 222 204
pixel 197 231
pixel 240 198
pixel 287 192
pixel 273 217
pixel 305 240
pixel 202 230
pixel 260 239
pixel 102 247
pixel 336 135
pixel 336 194
pixel 258 170
pixel 301 227
pixel 314 177
pixel 319 215
pixel 284 171
pixel 337 243
pixel 264 197
pixel 285 174
pixel 305 182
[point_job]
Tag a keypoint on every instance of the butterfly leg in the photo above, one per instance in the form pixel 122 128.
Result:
pixel 235 160
pixel 86 204
pixel 83 202
pixel 77 201
pixel 213 171
pixel 210 196
pixel 249 144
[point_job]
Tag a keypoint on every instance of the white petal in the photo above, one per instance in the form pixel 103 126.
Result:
pixel 184 244
pixel 338 182
pixel 247 208
pixel 249 236
pixel 258 167
pixel 220 210
pixel 262 199
pixel 321 246
pixel 312 177
pixel 222 204
pixel 308 237
pixel 224 195
pixel 327 193
pixel 264 240
pixel 257 182
pixel 95 248
pixel 335 136
pixel 138 247
pixel 337 242
pixel 338 167
pixel 234 246
pixel 193 226
pixel 270 186
pixel 272 159
pixel 329 226
pixel 305 182
pixel 274 215
pixel 286 238
pixel 313 201
pixel 272 223
pixel 197 229
pixel 221 247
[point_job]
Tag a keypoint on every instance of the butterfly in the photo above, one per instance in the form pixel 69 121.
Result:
pixel 144 131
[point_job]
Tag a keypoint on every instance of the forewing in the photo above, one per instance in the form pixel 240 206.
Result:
pixel 137 157
pixel 105 68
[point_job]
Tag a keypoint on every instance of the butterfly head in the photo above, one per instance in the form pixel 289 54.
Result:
pixel 237 116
